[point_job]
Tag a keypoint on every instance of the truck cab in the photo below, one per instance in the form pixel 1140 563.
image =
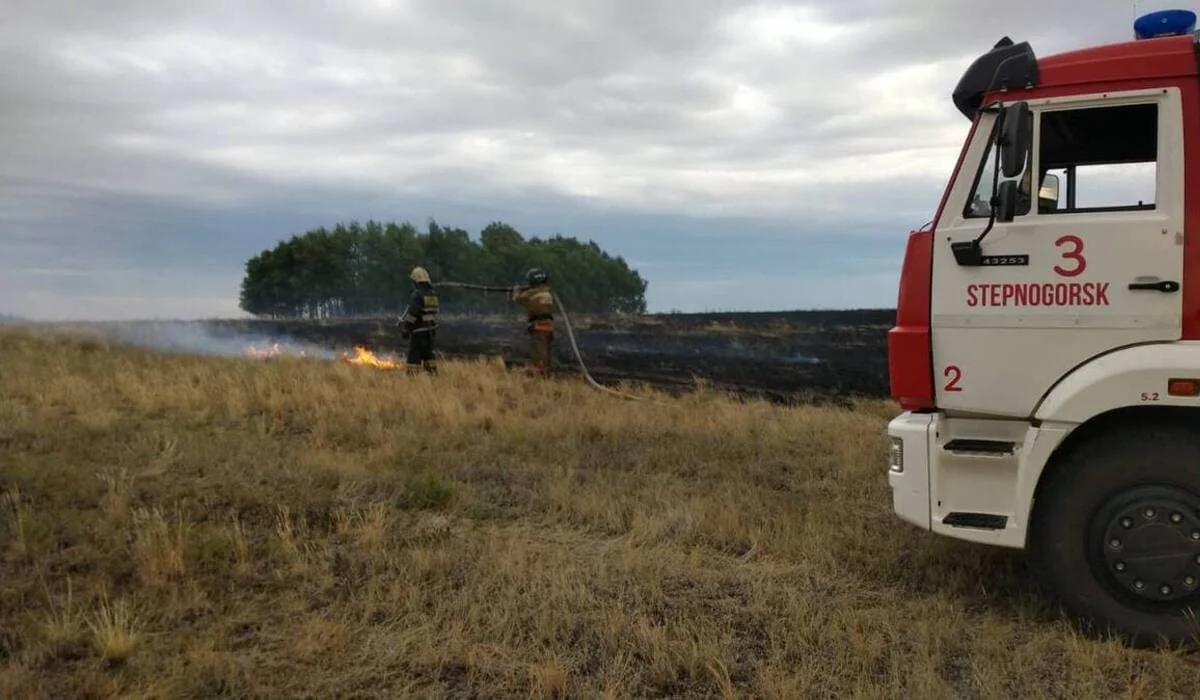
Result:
pixel 1046 351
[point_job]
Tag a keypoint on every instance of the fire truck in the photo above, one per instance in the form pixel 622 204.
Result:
pixel 1046 349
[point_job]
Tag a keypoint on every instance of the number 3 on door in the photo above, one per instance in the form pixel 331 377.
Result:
pixel 953 374
pixel 1075 255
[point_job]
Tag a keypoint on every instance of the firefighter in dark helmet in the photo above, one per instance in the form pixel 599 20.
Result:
pixel 419 323
pixel 539 305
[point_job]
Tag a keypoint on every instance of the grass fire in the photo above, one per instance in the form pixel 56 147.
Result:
pixel 366 358
pixel 361 356
pixel 176 525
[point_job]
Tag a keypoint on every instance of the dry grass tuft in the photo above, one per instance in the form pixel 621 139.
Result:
pixel 159 546
pixel 184 527
pixel 114 632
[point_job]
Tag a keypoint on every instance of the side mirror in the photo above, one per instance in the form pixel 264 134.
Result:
pixel 1015 137
pixel 1006 200
pixel 1049 190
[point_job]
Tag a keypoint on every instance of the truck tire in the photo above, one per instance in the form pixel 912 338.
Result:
pixel 1115 535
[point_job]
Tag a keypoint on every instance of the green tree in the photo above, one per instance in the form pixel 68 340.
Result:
pixel 362 269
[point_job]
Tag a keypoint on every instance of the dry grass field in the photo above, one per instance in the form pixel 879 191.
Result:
pixel 175 527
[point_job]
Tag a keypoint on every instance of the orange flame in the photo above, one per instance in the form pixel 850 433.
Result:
pixel 367 358
pixel 362 356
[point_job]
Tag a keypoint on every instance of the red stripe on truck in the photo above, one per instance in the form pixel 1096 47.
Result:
pixel 910 369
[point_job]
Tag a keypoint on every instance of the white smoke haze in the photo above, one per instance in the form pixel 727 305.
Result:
pixel 199 338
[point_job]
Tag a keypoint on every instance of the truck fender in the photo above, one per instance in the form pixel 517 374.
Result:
pixel 1133 376
pixel 1106 386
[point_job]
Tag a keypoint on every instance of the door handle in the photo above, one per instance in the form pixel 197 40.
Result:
pixel 1165 286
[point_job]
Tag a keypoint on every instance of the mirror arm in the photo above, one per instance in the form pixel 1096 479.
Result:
pixel 995 202
pixel 970 253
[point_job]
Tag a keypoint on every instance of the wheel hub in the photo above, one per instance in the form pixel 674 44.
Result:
pixel 1150 540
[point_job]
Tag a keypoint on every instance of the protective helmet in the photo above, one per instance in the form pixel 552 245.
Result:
pixel 419 274
pixel 536 276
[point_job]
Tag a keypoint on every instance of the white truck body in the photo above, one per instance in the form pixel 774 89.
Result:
pixel 1046 352
pixel 1013 365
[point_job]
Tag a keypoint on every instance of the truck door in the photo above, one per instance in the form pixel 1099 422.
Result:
pixel 1093 264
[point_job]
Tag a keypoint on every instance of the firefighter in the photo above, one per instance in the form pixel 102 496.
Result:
pixel 418 325
pixel 539 304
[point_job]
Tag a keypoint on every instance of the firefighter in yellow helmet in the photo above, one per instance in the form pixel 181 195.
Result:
pixel 539 305
pixel 418 324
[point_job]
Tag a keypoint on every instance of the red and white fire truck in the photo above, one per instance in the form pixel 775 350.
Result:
pixel 1046 352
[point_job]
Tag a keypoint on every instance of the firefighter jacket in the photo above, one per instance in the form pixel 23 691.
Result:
pixel 421 313
pixel 539 305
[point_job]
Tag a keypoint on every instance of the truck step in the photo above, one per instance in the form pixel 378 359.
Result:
pixel 981 521
pixel 983 447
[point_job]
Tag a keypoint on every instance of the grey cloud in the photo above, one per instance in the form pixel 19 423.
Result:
pixel 141 134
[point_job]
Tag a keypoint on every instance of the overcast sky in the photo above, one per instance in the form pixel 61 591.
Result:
pixel 740 154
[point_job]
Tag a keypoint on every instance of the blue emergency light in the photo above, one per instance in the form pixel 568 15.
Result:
pixel 1165 23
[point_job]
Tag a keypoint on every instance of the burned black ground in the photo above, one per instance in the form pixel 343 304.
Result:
pixel 782 356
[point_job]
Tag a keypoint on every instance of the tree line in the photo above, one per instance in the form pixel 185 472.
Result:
pixel 362 269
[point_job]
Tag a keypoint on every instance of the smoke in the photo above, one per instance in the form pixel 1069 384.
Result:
pixel 799 358
pixel 205 338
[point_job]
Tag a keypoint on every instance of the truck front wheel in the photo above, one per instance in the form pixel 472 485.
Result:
pixel 1115 534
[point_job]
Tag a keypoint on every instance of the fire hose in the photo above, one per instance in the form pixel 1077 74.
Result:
pixel 570 335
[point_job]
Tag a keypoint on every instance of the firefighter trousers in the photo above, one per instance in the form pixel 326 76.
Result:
pixel 420 352
pixel 539 348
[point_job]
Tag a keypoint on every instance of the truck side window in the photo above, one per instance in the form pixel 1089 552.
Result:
pixel 1104 159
